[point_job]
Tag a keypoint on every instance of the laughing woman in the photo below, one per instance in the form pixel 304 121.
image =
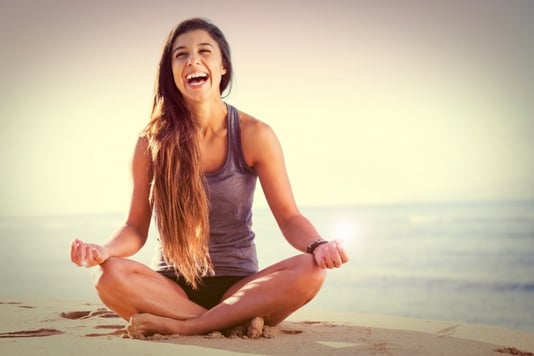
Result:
pixel 195 168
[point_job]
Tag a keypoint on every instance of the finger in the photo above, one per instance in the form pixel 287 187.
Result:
pixel 331 256
pixel 96 252
pixel 320 261
pixel 335 257
pixel 89 256
pixel 83 255
pixel 102 253
pixel 88 262
pixel 73 245
pixel 342 253
pixel 336 262
pixel 75 251
pixel 95 256
pixel 333 265
pixel 329 262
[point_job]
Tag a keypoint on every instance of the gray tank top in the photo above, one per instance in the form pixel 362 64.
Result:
pixel 230 192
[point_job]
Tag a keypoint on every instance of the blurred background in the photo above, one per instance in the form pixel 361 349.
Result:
pixel 407 128
pixel 373 101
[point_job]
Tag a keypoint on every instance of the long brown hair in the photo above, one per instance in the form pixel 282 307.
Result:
pixel 178 192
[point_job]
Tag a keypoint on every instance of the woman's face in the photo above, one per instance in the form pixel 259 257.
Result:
pixel 197 65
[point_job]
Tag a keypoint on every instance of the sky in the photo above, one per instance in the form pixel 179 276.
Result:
pixel 374 102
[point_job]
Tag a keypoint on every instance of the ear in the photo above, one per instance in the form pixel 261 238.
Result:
pixel 223 71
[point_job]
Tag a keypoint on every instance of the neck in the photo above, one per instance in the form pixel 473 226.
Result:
pixel 209 115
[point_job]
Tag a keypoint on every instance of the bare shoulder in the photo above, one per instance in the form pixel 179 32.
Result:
pixel 142 143
pixel 251 127
pixel 142 149
pixel 142 161
pixel 257 138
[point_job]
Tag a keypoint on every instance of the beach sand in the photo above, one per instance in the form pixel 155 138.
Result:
pixel 69 327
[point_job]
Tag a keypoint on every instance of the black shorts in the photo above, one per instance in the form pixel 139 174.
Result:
pixel 209 292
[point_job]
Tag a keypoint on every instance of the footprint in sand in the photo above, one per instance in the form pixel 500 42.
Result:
pixel 320 323
pixel 74 314
pixel 290 332
pixel 27 333
pixel 120 330
pixel 447 331
pixel 513 351
pixel 102 313
pixel 31 333
pixel 18 304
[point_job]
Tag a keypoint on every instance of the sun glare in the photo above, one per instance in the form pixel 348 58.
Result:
pixel 347 232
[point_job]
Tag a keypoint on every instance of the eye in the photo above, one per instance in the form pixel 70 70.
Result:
pixel 180 55
pixel 205 51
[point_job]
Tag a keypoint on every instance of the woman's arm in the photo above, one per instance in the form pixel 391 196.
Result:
pixel 263 152
pixel 133 234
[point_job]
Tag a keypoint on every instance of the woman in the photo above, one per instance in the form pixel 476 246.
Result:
pixel 195 167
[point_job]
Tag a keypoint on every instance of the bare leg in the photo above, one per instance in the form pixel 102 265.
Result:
pixel 129 287
pixel 273 294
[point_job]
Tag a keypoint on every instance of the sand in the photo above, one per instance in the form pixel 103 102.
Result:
pixel 70 327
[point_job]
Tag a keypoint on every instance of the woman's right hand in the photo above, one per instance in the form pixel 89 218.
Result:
pixel 87 254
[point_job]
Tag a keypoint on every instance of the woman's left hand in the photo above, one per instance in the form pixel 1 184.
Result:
pixel 330 255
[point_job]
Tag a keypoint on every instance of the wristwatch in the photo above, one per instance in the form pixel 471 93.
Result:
pixel 311 247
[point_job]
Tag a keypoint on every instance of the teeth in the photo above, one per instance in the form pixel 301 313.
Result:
pixel 196 75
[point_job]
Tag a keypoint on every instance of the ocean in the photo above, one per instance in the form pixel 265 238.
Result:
pixel 469 262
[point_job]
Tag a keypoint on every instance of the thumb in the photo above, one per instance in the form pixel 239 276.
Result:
pixel 99 254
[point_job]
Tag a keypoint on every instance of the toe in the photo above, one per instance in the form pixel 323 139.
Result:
pixel 255 328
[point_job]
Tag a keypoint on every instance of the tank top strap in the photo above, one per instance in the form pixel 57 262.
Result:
pixel 235 148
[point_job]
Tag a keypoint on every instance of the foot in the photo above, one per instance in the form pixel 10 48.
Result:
pixel 252 329
pixel 145 325
pixel 255 328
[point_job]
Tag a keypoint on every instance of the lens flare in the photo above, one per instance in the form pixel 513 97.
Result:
pixel 347 232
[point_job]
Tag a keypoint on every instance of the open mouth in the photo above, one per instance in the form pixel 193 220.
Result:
pixel 197 78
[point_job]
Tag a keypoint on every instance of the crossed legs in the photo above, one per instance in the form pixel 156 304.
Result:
pixel 155 304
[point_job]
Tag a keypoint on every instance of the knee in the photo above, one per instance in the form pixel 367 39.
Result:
pixel 309 275
pixel 109 274
pixel 316 274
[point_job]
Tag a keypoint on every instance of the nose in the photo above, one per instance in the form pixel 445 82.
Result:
pixel 193 59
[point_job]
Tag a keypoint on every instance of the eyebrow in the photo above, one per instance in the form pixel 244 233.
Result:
pixel 199 45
